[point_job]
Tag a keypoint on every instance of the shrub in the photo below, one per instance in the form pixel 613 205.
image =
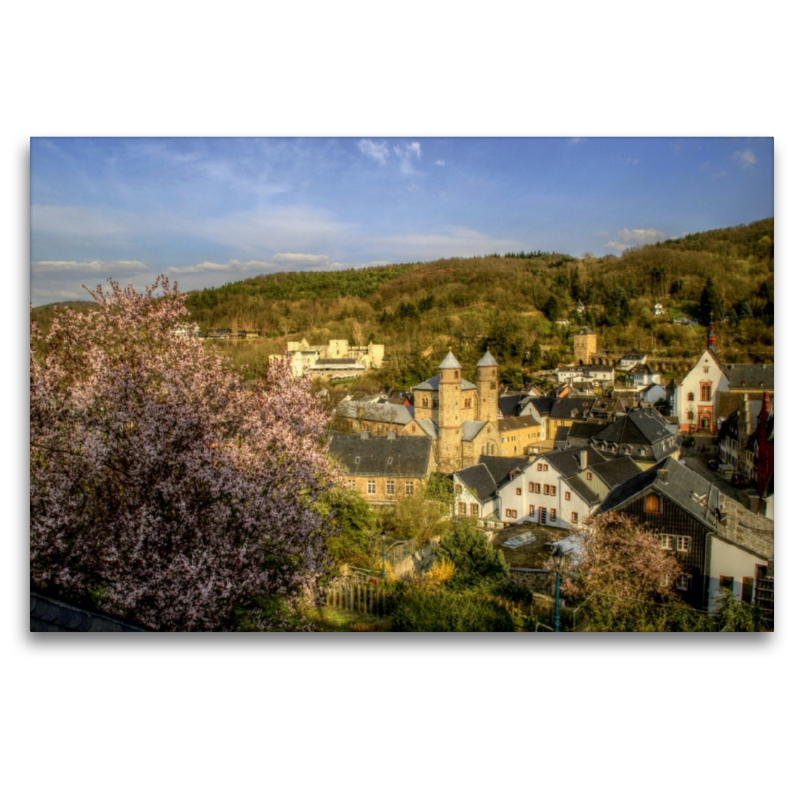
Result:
pixel 477 562
pixel 424 610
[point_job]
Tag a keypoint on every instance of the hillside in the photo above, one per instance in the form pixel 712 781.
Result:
pixel 511 303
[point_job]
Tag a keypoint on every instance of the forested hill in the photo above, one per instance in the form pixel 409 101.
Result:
pixel 511 303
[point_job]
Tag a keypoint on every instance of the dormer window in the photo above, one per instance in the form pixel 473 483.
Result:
pixel 691 397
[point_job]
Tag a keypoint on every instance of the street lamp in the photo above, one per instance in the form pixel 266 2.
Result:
pixel 383 555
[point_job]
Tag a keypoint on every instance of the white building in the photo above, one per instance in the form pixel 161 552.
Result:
pixel 658 309
pixel 695 397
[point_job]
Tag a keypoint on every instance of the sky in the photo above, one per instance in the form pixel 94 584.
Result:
pixel 209 211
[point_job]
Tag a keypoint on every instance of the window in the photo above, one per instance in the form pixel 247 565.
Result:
pixel 547 488
pixel 567 495
pixel 530 487
pixel 474 509
pixel 552 515
pixel 553 490
pixel 684 543
pixel 389 487
pixel 409 487
pixel 666 541
pixel 519 490
pixel 351 485
pixel 510 512
pixel 542 515
pixel 682 582
pixel 462 508
pixel 531 511
pixel 705 392
pixel 537 488
pixel 588 476
pixel 456 373
pixel 424 402
pixel 705 369
pixel 652 504
pixel 544 467
pixel 690 398
pixel 370 487
pixel 747 590
pixel 458 488
pixel 574 517
pixel 726 582
pixel 538 467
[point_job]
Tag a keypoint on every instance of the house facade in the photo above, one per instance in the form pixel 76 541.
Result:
pixel 695 397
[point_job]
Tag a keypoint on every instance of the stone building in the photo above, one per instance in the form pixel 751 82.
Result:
pixel 459 416
pixel 585 345
pixel 336 359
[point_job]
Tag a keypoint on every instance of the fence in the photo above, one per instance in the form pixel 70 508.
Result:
pixel 360 596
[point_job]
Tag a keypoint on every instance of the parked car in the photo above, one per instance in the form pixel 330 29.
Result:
pixel 713 464
pixel 739 481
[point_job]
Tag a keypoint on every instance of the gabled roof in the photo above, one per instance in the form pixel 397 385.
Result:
pixel 543 405
pixel 487 360
pixel 508 403
pixel 644 426
pixel 580 488
pixel 479 479
pixel 450 362
pixel 501 467
pixel 564 406
pixel 432 385
pixel 382 456
pixel 518 423
pixel 567 462
pixel 760 377
pixel 616 471
pixel 430 427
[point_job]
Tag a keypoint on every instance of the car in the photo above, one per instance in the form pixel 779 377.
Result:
pixel 739 481
pixel 713 465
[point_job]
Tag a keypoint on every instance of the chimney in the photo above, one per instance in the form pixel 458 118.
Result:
pixel 391 435
pixel 663 475
pixel 584 459
pixel 365 434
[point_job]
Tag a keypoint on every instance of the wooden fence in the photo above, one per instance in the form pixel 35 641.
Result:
pixel 360 596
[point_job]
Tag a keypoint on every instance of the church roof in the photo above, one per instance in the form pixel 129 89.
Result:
pixel 487 360
pixel 450 362
pixel 432 385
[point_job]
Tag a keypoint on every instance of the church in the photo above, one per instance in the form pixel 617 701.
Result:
pixel 459 416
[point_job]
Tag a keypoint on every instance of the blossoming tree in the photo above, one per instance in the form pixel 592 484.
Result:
pixel 161 486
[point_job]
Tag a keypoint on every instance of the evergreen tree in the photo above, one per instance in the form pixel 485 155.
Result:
pixel 710 303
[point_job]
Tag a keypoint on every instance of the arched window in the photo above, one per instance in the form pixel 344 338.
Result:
pixel 456 373
pixel 691 397
pixel 492 449
pixel 424 402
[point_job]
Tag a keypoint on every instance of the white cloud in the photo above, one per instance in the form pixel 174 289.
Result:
pixel 407 155
pixel 377 152
pixel 438 163
pixel 83 267
pixel 744 158
pixel 636 237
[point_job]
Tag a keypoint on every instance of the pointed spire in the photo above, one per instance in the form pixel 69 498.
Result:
pixel 487 360
pixel 450 362
pixel 712 337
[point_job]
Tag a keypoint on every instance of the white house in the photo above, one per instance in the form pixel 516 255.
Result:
pixel 477 489
pixel 566 374
pixel 658 309
pixel 644 375
pixel 600 372
pixel 631 360
pixel 695 397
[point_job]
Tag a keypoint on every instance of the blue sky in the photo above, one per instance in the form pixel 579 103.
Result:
pixel 208 211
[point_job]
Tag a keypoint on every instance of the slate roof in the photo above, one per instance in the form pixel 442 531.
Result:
pixel 616 471
pixel 543 405
pixel 376 412
pixel 487 360
pixel 509 403
pixel 336 362
pixel 760 377
pixel 51 614
pixel 479 479
pixel 563 408
pixel 432 385
pixel 567 462
pixel 582 490
pixel 430 427
pixel 579 434
pixel 517 423
pixel 644 427
pixel 382 456
pixel 450 362
pixel 585 330
pixel 501 467
pixel 470 428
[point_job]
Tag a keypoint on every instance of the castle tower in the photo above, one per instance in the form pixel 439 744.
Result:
pixel 487 388
pixel 449 442
pixel 585 345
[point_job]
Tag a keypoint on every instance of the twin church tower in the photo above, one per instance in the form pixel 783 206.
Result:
pixel 464 415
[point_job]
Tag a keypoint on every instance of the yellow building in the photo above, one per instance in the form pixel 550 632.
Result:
pixel 519 435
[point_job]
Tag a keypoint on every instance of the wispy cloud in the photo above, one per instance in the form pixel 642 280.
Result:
pixel 636 237
pixel 438 163
pixel 89 267
pixel 408 155
pixel 377 152
pixel 744 158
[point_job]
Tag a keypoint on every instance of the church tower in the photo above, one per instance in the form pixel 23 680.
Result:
pixel 487 388
pixel 585 345
pixel 449 414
